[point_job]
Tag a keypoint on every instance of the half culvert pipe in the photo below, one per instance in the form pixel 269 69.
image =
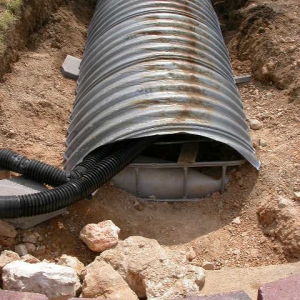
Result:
pixel 150 68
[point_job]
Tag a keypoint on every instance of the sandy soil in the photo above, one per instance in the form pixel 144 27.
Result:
pixel 35 102
pixel 248 280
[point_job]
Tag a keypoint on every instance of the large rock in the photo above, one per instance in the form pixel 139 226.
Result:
pixel 45 278
pixel 101 236
pixel 7 257
pixel 153 272
pixel 7 229
pixel 72 262
pixel 101 280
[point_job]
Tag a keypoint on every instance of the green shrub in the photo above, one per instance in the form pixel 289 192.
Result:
pixel 2 45
pixel 13 5
pixel 6 20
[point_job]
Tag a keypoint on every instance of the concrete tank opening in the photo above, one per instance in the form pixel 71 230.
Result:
pixel 179 168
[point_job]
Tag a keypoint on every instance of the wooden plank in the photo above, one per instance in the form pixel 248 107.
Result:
pixel 188 153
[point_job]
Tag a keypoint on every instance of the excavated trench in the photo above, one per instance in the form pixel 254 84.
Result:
pixel 29 17
pixel 36 101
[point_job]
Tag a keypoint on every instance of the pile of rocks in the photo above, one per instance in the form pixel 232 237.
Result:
pixel 134 268
pixel 31 242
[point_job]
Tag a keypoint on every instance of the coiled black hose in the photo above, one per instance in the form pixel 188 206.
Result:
pixel 45 173
pixel 75 190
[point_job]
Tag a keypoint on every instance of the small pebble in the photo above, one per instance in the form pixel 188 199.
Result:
pixel 191 254
pixel 237 221
pixel 40 250
pixel 255 124
pixel 21 249
pixel 139 205
pixel 30 259
pixel 208 265
pixel 262 143
pixel 297 196
pixel 30 247
pixel 236 251
pixel 32 238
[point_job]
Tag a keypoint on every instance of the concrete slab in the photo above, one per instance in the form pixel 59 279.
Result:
pixel 288 288
pixel 70 67
pixel 242 79
pixel 247 279
pixel 21 186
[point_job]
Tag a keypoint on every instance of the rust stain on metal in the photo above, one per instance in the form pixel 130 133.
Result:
pixel 155 67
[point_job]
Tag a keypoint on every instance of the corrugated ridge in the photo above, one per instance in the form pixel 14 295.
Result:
pixel 155 67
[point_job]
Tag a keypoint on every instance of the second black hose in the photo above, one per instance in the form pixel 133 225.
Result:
pixel 45 173
pixel 75 190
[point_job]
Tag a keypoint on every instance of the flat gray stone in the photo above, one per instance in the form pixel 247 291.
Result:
pixel 288 288
pixel 70 67
pixel 21 186
pixel 10 295
pixel 242 79
pixel 241 295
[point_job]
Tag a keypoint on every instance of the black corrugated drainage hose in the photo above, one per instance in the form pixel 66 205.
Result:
pixel 45 173
pixel 74 190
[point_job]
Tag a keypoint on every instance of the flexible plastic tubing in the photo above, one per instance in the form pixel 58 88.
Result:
pixel 74 190
pixel 45 173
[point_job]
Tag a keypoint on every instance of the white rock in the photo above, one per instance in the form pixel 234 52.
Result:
pixel 101 280
pixel 7 229
pixel 21 249
pixel 101 236
pixel 207 265
pixel 283 202
pixel 71 262
pixel 255 124
pixel 237 221
pixel 7 257
pixel 153 272
pixel 166 280
pixel 44 278
pixel 297 196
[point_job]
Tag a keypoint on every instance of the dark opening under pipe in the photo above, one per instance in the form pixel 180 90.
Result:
pixel 74 190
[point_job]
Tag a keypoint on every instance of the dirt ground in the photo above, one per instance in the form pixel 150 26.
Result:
pixel 35 103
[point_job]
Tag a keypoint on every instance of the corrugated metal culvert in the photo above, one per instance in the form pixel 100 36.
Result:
pixel 155 68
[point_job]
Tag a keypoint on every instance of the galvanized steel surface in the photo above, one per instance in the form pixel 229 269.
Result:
pixel 155 68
